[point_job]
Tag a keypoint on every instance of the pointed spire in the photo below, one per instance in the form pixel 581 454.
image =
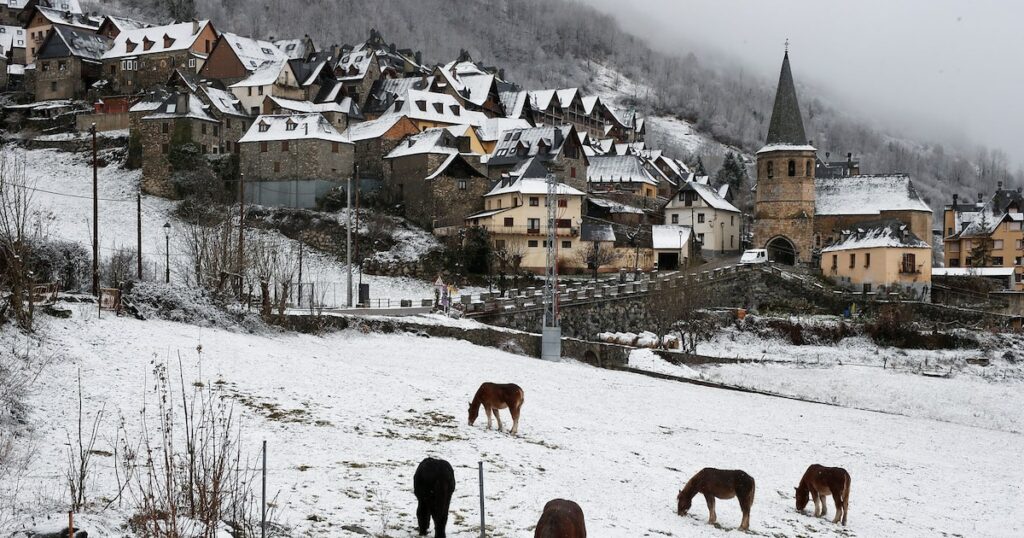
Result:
pixel 787 125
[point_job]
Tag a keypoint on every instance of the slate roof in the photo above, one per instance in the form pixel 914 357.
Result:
pixel 65 41
pixel 11 37
pixel 183 36
pixel 517 144
pixel 787 125
pixel 473 84
pixel 618 169
pixel 1004 204
pixel 709 194
pixel 293 48
pixel 454 160
pixel 346 106
pixel 253 53
pixel 881 234
pixel 666 236
pixel 225 102
pixel 866 195
pixel 169 109
pixel 124 24
pixel 590 231
pixel 69 18
pixel 439 140
pixel 530 177
pixel 372 129
pixel 439 108
pixel 265 75
pixel 303 127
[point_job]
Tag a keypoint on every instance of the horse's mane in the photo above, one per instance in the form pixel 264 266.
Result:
pixel 688 487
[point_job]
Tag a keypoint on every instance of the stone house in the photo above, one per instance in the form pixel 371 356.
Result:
pixel 296 48
pixel 12 44
pixel 386 91
pixel 492 130
pixel 993 230
pixel 432 176
pixel 341 115
pixel 430 110
pixel 621 174
pixel 68 62
pixel 357 70
pixel 156 121
pixel 294 160
pixel 472 87
pixel 515 214
pixel 558 148
pixel 15 12
pixel 884 255
pixel 274 78
pixel 375 139
pixel 236 57
pixel 43 19
pixel 112 26
pixel 147 57
pixel 797 214
pixel 716 222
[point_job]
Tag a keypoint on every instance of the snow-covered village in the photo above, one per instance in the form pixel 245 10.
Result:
pixel 511 268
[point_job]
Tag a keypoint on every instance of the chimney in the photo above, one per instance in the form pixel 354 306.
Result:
pixel 849 157
pixel 182 103
pixel 981 196
pixel 955 197
pixel 195 27
pixel 827 155
pixel 999 185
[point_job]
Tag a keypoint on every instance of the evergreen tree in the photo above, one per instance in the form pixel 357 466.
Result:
pixel 698 168
pixel 981 246
pixel 732 172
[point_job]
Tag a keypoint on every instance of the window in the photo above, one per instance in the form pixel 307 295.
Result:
pixel 563 223
pixel 532 243
pixel 968 261
pixel 949 232
pixel 867 287
pixel 955 262
pixel 335 147
pixel 62 66
pixel 263 147
pixel 264 127
pixel 1020 244
pixel 216 130
pixel 165 127
pixel 792 168
pixel 1013 226
pixel 462 184
pixel 770 169
pixel 53 85
pixel 229 123
pixel 285 146
pixel 732 241
pixel 509 222
pixel 997 261
pixel 835 262
pixel 204 149
pixel 250 91
pixel 563 203
pixel 954 247
pixel 290 126
pixel 700 238
pixel 732 221
pixel 499 244
pixel 853 261
pixel 277 167
pixel 533 225
pixel 259 90
pixel 164 149
pixel 129 65
pixel 867 259
pixel 534 201
pixel 997 244
pixel 192 63
pixel 809 168
pixel 675 218
pixel 700 217
pixel 566 244
pixel 202 128
pixel 572 172
pixel 909 264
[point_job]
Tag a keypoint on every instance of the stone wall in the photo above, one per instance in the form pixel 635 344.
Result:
pixel 155 137
pixel 289 160
pixel 59 78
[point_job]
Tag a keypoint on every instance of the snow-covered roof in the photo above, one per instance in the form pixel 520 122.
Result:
pixel 124 24
pixel 710 196
pixel 974 271
pixel 69 18
pixel 513 102
pixel 887 234
pixel 592 231
pixel 172 37
pixel 533 186
pixel 62 5
pixel 11 37
pixel 354 64
pixel 272 127
pixel 225 102
pixel 439 108
pixel 15 69
pixel 437 140
pixel 473 84
pixel 786 147
pixel 264 75
pixel 670 236
pixel 493 128
pixel 615 207
pixel 866 195
pixel 171 108
pixel 372 129
pixel 448 162
pixel 293 48
pixel 79 43
pixel 253 53
pixel 1004 205
pixel 618 169
pixel 346 106
pixel 518 144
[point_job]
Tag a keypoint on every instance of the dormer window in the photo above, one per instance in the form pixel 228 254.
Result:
pixel 290 126
pixel 130 45
pixel 168 41
pixel 267 51
pixel 456 109
pixel 422 105
pixel 264 126
pixel 147 43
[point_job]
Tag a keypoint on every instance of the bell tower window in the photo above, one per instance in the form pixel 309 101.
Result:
pixel 809 168
pixel 792 168
pixel 771 169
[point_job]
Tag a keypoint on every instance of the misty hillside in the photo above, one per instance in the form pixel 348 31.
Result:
pixel 552 43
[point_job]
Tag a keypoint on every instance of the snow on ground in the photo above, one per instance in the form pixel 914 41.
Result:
pixel 63 183
pixel 620 444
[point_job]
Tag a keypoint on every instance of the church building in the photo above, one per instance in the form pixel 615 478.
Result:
pixel 796 214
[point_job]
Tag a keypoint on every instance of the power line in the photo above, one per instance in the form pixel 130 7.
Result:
pixel 68 194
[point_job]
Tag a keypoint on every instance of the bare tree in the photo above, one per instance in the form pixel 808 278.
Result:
pixel 594 257
pixel 16 230
pixel 510 258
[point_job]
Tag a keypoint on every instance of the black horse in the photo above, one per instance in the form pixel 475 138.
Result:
pixel 433 483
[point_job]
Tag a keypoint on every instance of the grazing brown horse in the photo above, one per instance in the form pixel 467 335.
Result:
pixel 494 397
pixel 819 482
pixel 561 519
pixel 716 483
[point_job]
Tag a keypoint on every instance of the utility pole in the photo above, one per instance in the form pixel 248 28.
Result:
pixel 483 525
pixel 263 518
pixel 300 270
pixel 95 218
pixel 138 248
pixel 551 335
pixel 360 286
pixel 348 239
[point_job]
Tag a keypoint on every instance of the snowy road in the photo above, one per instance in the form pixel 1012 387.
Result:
pixel 619 444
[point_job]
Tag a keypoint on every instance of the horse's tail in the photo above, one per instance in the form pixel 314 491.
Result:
pixel 846 498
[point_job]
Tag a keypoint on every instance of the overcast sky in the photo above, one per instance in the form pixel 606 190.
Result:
pixel 926 66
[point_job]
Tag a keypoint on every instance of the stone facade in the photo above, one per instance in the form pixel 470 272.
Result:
pixel 440 201
pixel 784 203
pixel 63 78
pixel 155 136
pixel 571 170
pixel 296 160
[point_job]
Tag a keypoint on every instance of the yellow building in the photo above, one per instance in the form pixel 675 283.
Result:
pixel 516 215
pixel 986 235
pixel 882 256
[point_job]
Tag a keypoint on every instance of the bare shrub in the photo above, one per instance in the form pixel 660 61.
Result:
pixel 80 452
pixel 16 234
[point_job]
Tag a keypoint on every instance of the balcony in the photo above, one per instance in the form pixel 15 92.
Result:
pixel 573 231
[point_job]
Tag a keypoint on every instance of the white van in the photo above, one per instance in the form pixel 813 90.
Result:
pixel 754 256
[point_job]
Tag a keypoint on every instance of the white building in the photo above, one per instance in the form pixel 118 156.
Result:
pixel 715 221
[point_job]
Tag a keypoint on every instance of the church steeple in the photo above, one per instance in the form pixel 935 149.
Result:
pixel 787 125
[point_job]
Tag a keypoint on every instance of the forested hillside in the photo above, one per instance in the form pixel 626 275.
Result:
pixel 551 43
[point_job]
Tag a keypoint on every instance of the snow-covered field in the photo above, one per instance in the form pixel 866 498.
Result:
pixel 63 183
pixel 620 444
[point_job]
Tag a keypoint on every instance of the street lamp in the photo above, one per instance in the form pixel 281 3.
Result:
pixel 167 252
pixel 679 262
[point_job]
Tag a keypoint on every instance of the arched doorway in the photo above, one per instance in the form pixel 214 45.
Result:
pixel 781 250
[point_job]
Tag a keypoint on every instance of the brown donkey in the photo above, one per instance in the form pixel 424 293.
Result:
pixel 494 397
pixel 716 483
pixel 561 519
pixel 819 482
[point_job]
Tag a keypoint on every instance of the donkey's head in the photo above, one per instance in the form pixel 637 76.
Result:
pixel 684 503
pixel 474 411
pixel 802 496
